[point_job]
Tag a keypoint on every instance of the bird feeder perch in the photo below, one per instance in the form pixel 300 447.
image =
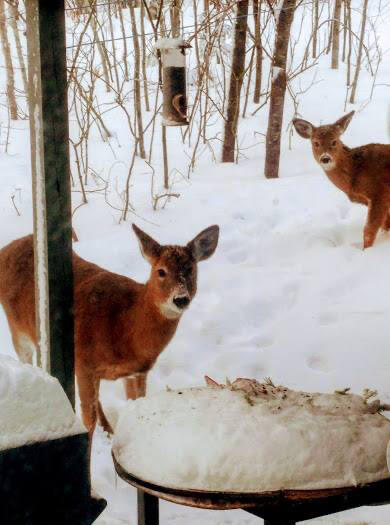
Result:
pixel 174 80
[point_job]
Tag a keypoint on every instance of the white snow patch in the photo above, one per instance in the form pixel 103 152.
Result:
pixel 42 287
pixel 229 440
pixel 276 71
pixel 33 406
pixel 171 43
pixel 277 9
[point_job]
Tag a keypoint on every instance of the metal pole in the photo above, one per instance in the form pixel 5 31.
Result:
pixel 147 508
pixel 51 188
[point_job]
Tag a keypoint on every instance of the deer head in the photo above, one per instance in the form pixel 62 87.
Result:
pixel 325 140
pixel 173 275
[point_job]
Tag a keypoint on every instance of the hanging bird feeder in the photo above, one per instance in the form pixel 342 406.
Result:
pixel 174 80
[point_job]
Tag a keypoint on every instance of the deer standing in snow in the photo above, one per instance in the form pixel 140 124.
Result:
pixel 121 326
pixel 362 173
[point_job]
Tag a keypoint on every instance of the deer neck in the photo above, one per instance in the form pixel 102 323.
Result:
pixel 341 173
pixel 153 331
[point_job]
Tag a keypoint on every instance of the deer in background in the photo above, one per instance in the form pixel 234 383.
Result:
pixel 121 326
pixel 362 173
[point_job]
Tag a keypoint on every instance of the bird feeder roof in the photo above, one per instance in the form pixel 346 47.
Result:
pixel 172 43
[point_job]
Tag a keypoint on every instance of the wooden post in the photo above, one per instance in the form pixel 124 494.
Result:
pixel 147 508
pixel 51 188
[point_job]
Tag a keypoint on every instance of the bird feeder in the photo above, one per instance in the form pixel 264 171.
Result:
pixel 174 80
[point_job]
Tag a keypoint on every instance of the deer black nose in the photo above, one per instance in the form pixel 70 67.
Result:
pixel 325 159
pixel 181 302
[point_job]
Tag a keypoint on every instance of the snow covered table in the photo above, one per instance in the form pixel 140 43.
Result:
pixel 281 455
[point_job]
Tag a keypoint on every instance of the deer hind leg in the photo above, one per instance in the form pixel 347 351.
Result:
pixel 376 218
pixel 23 344
pixel 135 385
pixel 89 399
pixel 103 421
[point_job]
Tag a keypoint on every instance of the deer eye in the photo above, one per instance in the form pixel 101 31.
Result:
pixel 161 273
pixel 316 144
pixel 334 143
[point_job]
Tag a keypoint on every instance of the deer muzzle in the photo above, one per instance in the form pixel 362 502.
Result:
pixel 181 301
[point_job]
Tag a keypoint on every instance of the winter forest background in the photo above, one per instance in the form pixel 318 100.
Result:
pixel 289 293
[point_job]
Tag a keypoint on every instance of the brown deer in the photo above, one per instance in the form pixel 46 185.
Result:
pixel 362 173
pixel 121 326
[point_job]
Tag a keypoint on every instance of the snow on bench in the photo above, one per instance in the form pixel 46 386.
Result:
pixel 33 406
pixel 253 437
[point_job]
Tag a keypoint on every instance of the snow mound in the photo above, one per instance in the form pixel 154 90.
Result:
pixel 33 406
pixel 253 437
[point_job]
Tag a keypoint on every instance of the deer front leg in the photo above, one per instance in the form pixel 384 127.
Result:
pixel 386 224
pixel 104 423
pixel 359 199
pixel 135 385
pixel 377 213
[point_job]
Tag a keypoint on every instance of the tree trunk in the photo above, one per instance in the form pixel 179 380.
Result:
pixel 13 6
pixel 144 75
pixel 175 18
pixel 278 89
pixel 330 25
pixel 360 52
pixel 336 35
pixel 101 51
pixel 236 79
pixel 137 83
pixel 345 30
pixel 315 27
pixel 259 51
pixel 13 108
pixel 349 21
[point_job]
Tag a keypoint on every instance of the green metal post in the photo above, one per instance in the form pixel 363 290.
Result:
pixel 52 197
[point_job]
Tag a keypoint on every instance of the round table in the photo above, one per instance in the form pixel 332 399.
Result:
pixel 283 507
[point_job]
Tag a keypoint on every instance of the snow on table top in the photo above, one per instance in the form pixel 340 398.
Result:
pixel 33 406
pixel 252 440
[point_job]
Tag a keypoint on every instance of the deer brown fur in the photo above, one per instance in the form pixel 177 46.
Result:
pixel 362 173
pixel 121 326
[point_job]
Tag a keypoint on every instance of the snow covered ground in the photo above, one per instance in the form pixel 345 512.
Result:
pixel 289 292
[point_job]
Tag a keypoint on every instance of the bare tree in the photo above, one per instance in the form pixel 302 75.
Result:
pixel 336 34
pixel 236 79
pixel 349 34
pixel 15 15
pixel 315 27
pixel 345 29
pixel 360 52
pixel 278 88
pixel 137 83
pixel 259 50
pixel 13 108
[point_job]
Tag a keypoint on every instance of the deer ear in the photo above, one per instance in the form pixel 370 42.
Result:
pixel 150 248
pixel 204 244
pixel 303 127
pixel 344 121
